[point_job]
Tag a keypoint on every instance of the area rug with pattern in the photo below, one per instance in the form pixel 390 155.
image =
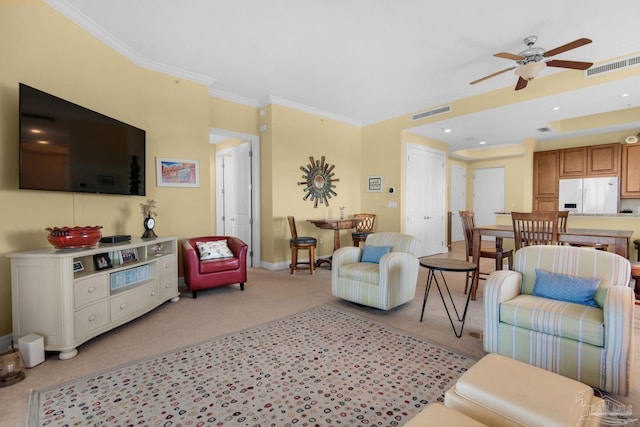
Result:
pixel 321 367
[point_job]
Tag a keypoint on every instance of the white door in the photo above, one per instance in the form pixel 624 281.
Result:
pixel 488 195
pixel 242 188
pixel 425 198
pixel 457 200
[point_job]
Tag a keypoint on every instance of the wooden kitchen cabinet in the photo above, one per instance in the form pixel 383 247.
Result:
pixel 603 160
pixel 630 172
pixel 545 179
pixel 594 160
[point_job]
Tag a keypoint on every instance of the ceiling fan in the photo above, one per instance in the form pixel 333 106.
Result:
pixel 533 59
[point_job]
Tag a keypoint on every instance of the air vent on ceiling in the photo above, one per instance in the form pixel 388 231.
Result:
pixel 430 113
pixel 545 129
pixel 612 66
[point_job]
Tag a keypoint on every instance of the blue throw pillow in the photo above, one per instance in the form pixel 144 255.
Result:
pixel 579 290
pixel 374 253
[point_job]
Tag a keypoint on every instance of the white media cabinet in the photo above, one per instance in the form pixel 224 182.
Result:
pixel 62 296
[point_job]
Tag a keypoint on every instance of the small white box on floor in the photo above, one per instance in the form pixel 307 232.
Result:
pixel 31 348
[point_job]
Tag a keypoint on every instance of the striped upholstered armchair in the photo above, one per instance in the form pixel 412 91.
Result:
pixel 382 283
pixel 591 344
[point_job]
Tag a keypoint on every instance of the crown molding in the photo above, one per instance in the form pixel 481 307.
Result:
pixel 92 27
pixel 234 98
pixel 271 99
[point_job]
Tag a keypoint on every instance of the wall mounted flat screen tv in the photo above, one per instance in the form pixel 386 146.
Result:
pixel 66 147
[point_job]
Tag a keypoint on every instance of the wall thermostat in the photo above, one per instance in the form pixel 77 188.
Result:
pixel 392 190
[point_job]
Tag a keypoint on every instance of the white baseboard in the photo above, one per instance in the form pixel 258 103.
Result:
pixel 5 342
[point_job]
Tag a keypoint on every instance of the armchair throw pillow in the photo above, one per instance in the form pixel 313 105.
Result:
pixel 374 253
pixel 579 290
pixel 217 249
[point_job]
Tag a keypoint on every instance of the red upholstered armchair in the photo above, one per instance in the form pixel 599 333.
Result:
pixel 214 272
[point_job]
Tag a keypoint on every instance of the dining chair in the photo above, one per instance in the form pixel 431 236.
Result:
pixel 363 228
pixel 563 217
pixel 468 224
pixel 297 243
pixel 535 228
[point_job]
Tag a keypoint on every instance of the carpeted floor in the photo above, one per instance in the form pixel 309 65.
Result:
pixel 323 366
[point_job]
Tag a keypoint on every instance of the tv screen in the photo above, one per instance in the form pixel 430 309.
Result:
pixel 66 147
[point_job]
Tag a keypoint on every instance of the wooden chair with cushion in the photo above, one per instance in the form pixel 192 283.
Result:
pixel 297 243
pixel 468 224
pixel 212 261
pixel 535 228
pixel 364 228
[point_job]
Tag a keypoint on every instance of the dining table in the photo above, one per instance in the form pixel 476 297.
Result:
pixel 619 239
pixel 335 224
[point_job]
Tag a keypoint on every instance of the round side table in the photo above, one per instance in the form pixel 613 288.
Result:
pixel 453 265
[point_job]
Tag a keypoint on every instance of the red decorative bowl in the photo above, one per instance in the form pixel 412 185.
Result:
pixel 74 237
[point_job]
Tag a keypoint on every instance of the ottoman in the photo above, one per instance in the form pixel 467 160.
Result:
pixel 438 415
pixel 500 391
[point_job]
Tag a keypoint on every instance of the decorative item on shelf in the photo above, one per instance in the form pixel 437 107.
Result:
pixel 148 212
pixel 11 367
pixel 74 237
pixel 157 249
pixel 77 266
pixel 318 180
pixel 102 261
pixel 341 212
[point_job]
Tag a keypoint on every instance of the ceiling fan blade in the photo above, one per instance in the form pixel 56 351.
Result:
pixel 574 65
pixel 565 47
pixel 507 55
pixel 522 83
pixel 491 75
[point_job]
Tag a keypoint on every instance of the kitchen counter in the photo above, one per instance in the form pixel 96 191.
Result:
pixel 607 215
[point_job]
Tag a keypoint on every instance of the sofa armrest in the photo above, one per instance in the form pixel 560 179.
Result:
pixel 343 256
pixel 190 261
pixel 398 277
pixel 501 285
pixel 618 323
pixel 238 247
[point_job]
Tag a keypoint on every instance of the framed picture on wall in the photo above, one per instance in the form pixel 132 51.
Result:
pixel 374 184
pixel 177 172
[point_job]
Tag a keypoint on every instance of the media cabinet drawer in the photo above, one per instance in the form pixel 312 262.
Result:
pixel 127 304
pixel 168 286
pixel 167 264
pixel 91 318
pixel 90 289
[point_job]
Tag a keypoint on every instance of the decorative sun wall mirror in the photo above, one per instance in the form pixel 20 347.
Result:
pixel 318 182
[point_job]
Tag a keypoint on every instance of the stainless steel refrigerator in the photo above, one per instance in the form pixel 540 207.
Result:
pixel 589 195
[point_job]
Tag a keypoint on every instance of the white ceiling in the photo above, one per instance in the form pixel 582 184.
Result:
pixel 364 61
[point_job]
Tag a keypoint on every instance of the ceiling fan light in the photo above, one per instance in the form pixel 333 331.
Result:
pixel 530 70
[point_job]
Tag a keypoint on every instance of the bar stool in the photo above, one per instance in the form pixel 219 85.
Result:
pixel 296 243
pixel 363 228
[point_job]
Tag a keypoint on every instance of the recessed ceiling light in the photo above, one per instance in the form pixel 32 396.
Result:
pixel 447 130
pixel 624 95
pixel 555 108
pixel 483 142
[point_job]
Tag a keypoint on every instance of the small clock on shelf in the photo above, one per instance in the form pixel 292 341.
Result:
pixel 149 224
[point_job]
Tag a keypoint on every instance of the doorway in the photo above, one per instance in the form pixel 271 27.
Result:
pixel 425 198
pixel 457 200
pixel 488 195
pixel 237 191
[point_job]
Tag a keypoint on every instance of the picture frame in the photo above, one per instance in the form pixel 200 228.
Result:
pixel 375 184
pixel 77 266
pixel 177 172
pixel 102 261
pixel 127 256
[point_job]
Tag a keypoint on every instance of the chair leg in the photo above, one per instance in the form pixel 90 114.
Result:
pixel 194 294
pixel 294 259
pixel 312 259
pixel 498 263
pixel 242 286
pixel 510 260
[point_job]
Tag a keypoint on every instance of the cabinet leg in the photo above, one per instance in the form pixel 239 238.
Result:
pixel 68 354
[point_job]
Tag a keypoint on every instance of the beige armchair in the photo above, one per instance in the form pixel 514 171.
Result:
pixel 386 284
pixel 551 327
